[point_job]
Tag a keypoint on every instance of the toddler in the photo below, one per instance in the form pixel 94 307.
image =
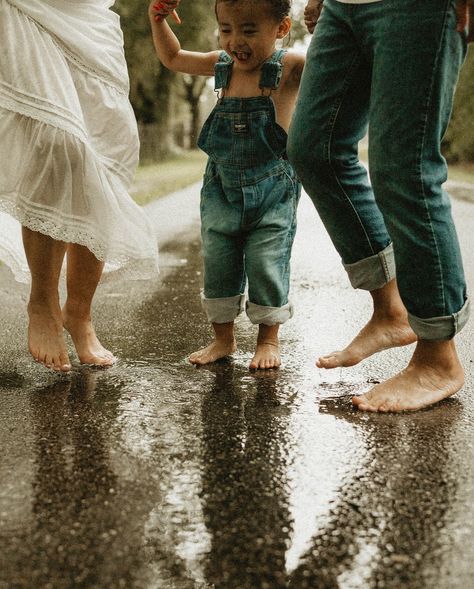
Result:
pixel 250 192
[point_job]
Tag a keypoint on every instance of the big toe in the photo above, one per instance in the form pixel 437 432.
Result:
pixel 329 361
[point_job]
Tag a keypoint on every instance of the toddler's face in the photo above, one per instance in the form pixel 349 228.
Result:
pixel 248 32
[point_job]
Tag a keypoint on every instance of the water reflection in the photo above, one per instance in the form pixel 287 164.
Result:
pixel 385 530
pixel 81 534
pixel 244 488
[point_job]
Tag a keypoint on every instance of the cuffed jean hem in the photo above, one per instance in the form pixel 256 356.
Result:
pixel 373 272
pixel 440 328
pixel 223 310
pixel 269 315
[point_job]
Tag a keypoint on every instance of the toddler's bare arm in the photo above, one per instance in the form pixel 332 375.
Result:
pixel 169 48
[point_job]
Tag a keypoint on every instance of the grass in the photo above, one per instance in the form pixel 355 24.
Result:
pixel 155 180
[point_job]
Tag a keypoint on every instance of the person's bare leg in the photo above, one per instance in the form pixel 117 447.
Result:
pixel 387 328
pixel 434 373
pixel 222 345
pixel 83 274
pixel 267 352
pixel 45 329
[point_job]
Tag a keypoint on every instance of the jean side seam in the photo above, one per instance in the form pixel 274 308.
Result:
pixel 332 123
pixel 422 145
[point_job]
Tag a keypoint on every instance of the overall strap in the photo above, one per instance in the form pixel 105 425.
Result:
pixel 272 70
pixel 222 71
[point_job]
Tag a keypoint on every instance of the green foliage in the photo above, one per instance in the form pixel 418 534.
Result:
pixel 174 173
pixel 164 101
pixel 459 141
pixel 150 83
pixel 143 66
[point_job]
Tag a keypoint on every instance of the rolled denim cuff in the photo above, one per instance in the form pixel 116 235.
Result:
pixel 223 310
pixel 440 328
pixel 269 315
pixel 373 272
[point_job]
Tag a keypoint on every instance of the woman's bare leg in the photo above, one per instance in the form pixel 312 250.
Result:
pixel 83 274
pixel 45 330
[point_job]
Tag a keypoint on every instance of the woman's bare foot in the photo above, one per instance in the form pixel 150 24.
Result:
pixel 46 338
pixel 267 355
pixel 380 333
pixel 216 350
pixel 387 328
pixel 434 373
pixel 88 347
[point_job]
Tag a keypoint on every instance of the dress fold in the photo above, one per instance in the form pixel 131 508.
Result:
pixel 68 135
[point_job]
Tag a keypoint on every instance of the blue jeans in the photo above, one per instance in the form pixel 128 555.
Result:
pixel 248 224
pixel 391 67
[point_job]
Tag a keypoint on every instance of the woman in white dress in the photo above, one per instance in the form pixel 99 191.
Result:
pixel 68 150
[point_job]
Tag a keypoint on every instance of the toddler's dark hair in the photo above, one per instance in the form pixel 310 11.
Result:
pixel 279 8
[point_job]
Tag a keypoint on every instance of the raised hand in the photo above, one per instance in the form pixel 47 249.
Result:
pixel 465 18
pixel 312 12
pixel 162 8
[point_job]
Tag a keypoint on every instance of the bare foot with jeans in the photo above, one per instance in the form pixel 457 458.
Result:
pixel 223 345
pixel 267 352
pixel 387 328
pixel 434 373
pixel 398 225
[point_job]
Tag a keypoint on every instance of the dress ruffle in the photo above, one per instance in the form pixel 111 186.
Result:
pixel 68 136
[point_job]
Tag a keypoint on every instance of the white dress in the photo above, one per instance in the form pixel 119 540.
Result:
pixel 68 136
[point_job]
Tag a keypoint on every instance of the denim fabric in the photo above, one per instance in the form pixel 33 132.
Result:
pixel 243 132
pixel 391 67
pixel 248 204
pixel 248 224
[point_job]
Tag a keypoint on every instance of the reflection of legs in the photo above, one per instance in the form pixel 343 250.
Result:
pixel 45 331
pixel 83 274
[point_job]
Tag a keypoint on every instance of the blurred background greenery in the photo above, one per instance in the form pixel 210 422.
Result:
pixel 171 107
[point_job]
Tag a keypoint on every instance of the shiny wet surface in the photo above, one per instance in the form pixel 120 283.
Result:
pixel 155 474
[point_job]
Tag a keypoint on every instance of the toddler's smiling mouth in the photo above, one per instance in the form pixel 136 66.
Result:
pixel 241 55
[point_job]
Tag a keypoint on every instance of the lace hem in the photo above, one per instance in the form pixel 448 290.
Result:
pixel 119 260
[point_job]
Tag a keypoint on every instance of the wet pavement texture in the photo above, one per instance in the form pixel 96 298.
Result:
pixel 157 474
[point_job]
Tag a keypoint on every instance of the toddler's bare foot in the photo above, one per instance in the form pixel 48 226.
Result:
pixel 88 347
pixel 267 355
pixel 434 373
pixel 218 348
pixel 45 337
pixel 380 333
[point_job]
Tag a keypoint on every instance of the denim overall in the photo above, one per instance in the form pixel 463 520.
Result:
pixel 248 203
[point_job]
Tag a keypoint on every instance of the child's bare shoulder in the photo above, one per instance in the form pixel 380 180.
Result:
pixel 293 65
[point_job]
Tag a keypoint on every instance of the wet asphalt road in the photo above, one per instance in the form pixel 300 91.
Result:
pixel 155 474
